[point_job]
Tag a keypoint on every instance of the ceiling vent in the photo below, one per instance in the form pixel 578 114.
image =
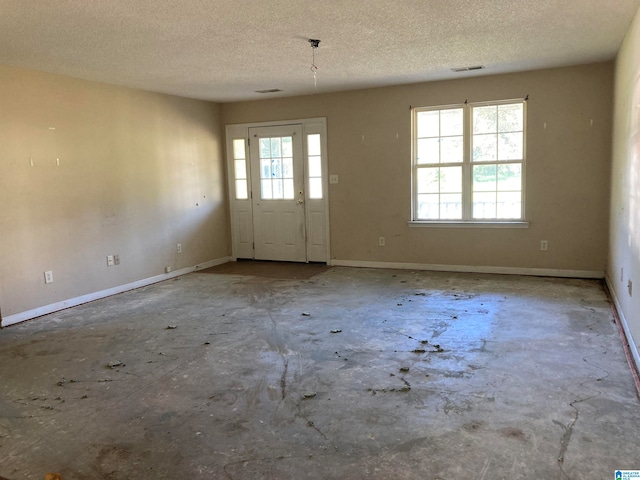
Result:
pixel 270 90
pixel 468 69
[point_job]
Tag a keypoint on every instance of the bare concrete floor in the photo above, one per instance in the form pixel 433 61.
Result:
pixel 343 374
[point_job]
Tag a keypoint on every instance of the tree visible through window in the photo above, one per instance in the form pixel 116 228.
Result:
pixel 468 162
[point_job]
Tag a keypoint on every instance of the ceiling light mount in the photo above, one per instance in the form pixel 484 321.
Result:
pixel 314 43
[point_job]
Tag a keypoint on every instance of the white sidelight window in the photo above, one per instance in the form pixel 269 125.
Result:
pixel 240 168
pixel 468 163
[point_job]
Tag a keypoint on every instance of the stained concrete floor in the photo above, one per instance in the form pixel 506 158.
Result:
pixel 334 373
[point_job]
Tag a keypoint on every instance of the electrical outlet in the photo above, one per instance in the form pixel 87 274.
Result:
pixel 167 269
pixel 544 245
pixel 382 242
pixel 48 276
pixel 179 248
pixel 630 288
pixel 110 261
pixel 333 178
pixel 116 259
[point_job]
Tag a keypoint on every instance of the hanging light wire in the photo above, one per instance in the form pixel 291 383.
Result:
pixel 314 68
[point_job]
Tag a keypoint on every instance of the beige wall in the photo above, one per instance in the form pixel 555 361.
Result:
pixel 139 172
pixel 369 147
pixel 624 256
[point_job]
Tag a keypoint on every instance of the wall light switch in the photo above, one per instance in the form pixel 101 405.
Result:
pixel 48 276
pixel 544 245
pixel 179 248
pixel 110 261
pixel 333 178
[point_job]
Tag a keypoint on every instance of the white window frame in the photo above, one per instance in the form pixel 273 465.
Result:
pixel 467 164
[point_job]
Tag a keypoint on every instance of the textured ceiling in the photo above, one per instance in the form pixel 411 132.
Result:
pixel 226 50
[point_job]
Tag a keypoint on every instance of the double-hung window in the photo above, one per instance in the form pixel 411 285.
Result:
pixel 468 163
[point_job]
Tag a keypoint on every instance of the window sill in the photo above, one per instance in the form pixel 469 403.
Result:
pixel 468 224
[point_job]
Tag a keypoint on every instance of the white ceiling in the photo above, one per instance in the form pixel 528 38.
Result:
pixel 224 50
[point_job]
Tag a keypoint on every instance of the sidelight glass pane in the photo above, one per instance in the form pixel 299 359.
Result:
pixel 238 148
pixel 241 190
pixel 315 166
pixel 313 144
pixel 241 169
pixel 315 188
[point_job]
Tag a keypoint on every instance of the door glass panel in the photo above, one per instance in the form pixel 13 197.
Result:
pixel 276 168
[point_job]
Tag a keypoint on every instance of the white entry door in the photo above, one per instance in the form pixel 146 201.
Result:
pixel 278 193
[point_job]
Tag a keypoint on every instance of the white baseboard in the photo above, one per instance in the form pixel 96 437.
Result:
pixel 72 302
pixel 625 325
pixel 537 272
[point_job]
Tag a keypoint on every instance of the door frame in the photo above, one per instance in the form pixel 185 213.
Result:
pixel 316 210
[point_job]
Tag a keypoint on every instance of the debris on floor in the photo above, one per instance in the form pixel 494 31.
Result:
pixel 404 369
pixel 309 395
pixel 336 331
pixel 306 314
pixel 171 327
pixel 115 364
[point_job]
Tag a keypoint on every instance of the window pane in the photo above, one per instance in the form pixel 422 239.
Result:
pixel 451 122
pixel 510 146
pixel 510 177
pixel 484 178
pixel 315 167
pixel 428 206
pixel 313 144
pixel 266 191
pixel 428 124
pixel 287 184
pixel 276 168
pixel 265 168
pixel 428 180
pixel 241 169
pixel 485 147
pixel 484 205
pixel 485 119
pixel 278 189
pixel 276 147
pixel 509 205
pixel 238 148
pixel 315 188
pixel 451 206
pixel 428 150
pixel 510 117
pixel 451 179
pixel 241 190
pixel 451 149
pixel 287 147
pixel 265 148
pixel 287 167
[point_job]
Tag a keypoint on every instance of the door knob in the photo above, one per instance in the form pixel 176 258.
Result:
pixel 299 202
